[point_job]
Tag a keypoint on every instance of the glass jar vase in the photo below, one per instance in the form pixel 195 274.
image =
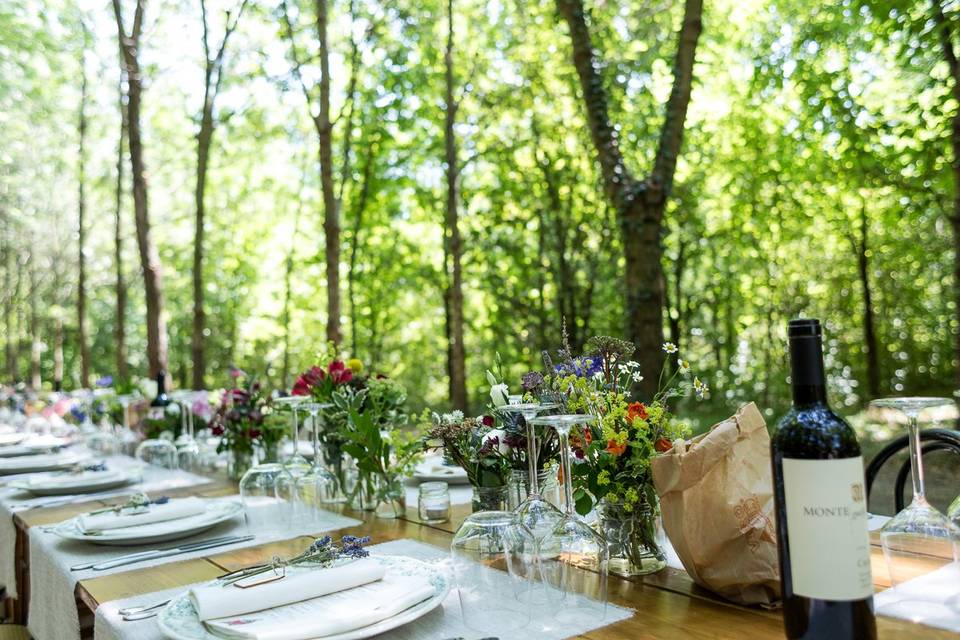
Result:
pixel 631 534
pixel 391 498
pixel 490 498
pixel 518 488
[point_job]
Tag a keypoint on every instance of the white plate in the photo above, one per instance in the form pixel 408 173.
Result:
pixel 217 511
pixel 42 462
pixel 178 620
pixel 89 483
pixel 33 445
pixel 8 439
pixel 433 470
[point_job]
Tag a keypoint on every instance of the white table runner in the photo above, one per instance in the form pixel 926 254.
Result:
pixel 14 500
pixel 53 609
pixel 443 622
pixel 940 588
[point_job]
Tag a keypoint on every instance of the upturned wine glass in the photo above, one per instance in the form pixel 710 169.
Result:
pixel 535 513
pixel 919 539
pixel 318 486
pixel 573 556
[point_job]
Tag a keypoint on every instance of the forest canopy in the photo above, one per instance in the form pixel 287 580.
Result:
pixel 432 183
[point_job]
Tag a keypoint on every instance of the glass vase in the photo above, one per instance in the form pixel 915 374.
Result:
pixel 365 494
pixel 391 498
pixel 490 498
pixel 335 460
pixel 631 535
pixel 238 464
pixel 518 488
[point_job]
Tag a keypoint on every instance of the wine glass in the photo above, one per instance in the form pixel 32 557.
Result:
pixel 155 452
pixel 491 601
pixel 919 539
pixel 573 556
pixel 319 485
pixel 295 463
pixel 188 450
pixel 266 491
pixel 535 513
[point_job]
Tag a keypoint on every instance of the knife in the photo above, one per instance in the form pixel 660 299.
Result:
pixel 161 553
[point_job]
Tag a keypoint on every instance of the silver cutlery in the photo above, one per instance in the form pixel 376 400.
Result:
pixel 152 554
pixel 129 611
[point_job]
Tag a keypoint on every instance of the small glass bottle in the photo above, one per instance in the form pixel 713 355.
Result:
pixel 434 502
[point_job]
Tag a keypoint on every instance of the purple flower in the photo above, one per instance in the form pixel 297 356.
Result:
pixel 105 381
pixel 531 381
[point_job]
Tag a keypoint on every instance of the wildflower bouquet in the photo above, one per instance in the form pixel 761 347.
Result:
pixel 474 445
pixel 242 421
pixel 612 456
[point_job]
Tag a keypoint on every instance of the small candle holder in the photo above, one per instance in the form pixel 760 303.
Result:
pixel 434 502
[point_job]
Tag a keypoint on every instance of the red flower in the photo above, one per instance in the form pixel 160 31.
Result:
pixel 487 421
pixel 636 410
pixel 253 433
pixel 663 445
pixel 616 449
pixel 339 372
pixel 307 380
pixel 217 430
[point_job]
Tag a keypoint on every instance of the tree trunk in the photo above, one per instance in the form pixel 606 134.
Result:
pixel 358 215
pixel 331 206
pixel 639 203
pixel 58 354
pixel 869 332
pixel 35 344
pixel 82 337
pixel 453 246
pixel 950 55
pixel 288 288
pixel 10 365
pixel 120 331
pixel 149 257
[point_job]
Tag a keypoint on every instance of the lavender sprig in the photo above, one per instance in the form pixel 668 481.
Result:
pixel 323 552
pixel 138 503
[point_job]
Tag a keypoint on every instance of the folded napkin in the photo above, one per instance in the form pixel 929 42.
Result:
pixel 9 438
pixel 173 510
pixel 218 601
pixel 332 614
pixel 43 460
pixel 69 479
pixel 930 599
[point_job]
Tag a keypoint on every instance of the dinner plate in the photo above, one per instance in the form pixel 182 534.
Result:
pixel 42 462
pixel 433 470
pixel 53 484
pixel 32 445
pixel 179 621
pixel 217 511
pixel 11 438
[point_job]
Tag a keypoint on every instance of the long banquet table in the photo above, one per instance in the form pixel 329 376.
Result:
pixel 666 605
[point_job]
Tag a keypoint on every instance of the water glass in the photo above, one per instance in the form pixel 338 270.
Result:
pixel 494 560
pixel 267 492
pixel 157 453
pixel 434 502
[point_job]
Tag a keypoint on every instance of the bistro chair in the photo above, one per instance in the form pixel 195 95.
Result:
pixel 930 440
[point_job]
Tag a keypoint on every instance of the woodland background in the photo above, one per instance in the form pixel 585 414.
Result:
pixel 419 181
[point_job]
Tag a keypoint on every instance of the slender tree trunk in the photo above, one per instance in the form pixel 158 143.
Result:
pixel 950 55
pixel 17 320
pixel 10 365
pixel 453 245
pixel 331 206
pixel 35 344
pixel 58 354
pixel 861 247
pixel 120 331
pixel 358 216
pixel 82 337
pixel 288 289
pixel 149 257
pixel 639 204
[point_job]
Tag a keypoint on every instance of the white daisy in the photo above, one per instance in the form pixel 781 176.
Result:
pixel 669 347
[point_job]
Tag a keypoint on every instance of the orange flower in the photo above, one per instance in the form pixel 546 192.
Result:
pixel 616 449
pixel 663 445
pixel 587 436
pixel 636 410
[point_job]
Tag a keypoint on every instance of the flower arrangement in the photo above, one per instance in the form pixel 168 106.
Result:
pixel 365 419
pixel 241 420
pixel 612 456
pixel 474 445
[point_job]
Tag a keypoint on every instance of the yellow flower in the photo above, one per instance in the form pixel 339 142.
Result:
pixel 355 365
pixel 603 478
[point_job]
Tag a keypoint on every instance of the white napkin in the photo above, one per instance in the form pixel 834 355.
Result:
pixel 330 615
pixel 11 437
pixel 70 479
pixel 939 590
pixel 218 601
pixel 173 510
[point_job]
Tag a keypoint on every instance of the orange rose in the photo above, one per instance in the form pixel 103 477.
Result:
pixel 616 449
pixel 663 445
pixel 587 436
pixel 636 410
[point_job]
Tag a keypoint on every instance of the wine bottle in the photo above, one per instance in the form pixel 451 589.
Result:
pixel 158 405
pixel 821 506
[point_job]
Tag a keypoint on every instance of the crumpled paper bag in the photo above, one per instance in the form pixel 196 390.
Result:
pixel 716 501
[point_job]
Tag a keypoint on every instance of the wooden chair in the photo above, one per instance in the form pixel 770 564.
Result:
pixel 930 440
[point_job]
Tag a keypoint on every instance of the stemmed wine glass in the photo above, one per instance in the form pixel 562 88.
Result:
pixel 919 539
pixel 320 486
pixel 573 555
pixel 188 451
pixel 295 461
pixel 535 513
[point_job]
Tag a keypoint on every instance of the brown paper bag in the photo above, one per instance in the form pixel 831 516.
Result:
pixel 716 499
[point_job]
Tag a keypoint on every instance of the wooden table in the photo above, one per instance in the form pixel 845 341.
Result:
pixel 668 605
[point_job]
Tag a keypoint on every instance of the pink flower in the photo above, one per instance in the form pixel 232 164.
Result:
pixel 236 373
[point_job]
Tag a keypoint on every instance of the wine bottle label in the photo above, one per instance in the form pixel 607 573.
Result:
pixel 827 528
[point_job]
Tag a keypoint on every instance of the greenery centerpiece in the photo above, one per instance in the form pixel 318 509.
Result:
pixel 611 458
pixel 242 420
